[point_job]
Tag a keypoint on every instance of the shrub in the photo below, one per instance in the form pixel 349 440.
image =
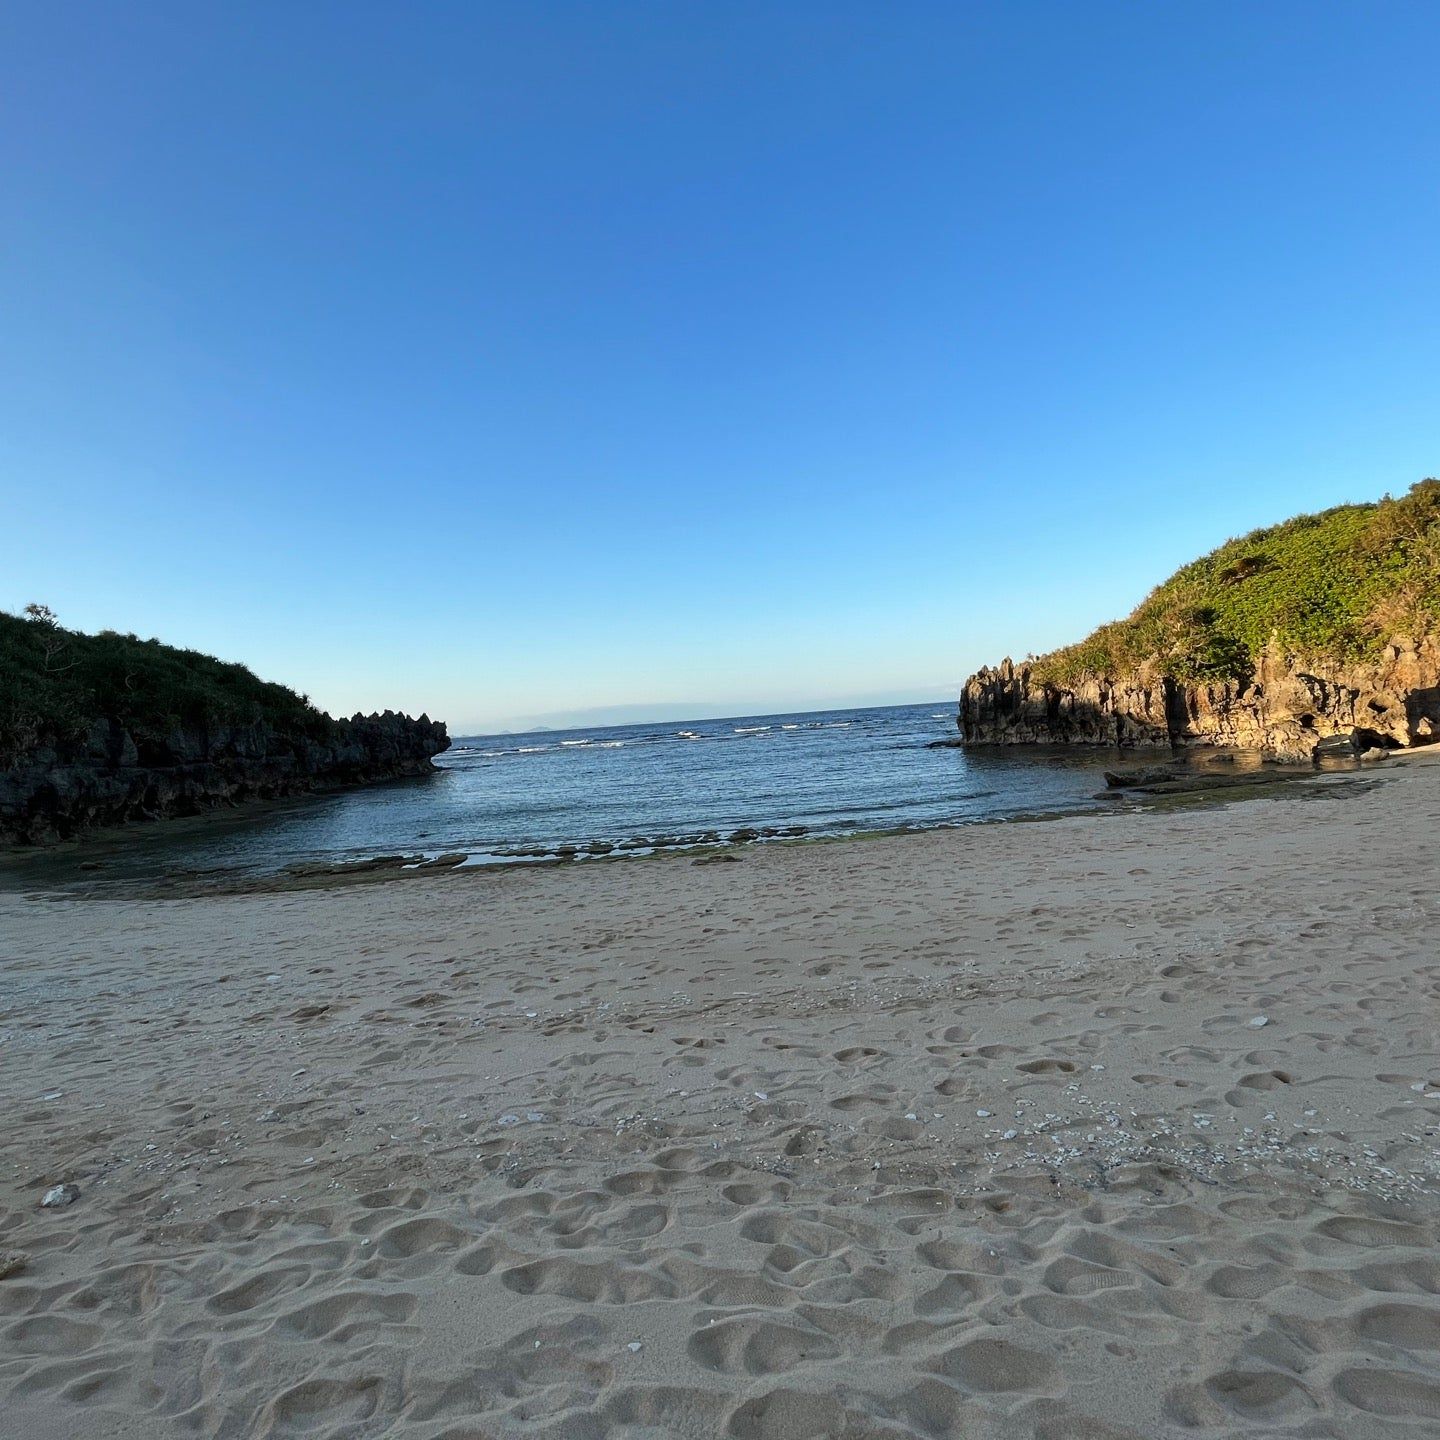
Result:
pixel 1329 587
pixel 56 683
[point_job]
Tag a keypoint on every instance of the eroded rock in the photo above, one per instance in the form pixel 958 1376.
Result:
pixel 109 779
pixel 1288 708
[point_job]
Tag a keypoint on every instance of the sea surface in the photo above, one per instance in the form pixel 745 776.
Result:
pixel 519 798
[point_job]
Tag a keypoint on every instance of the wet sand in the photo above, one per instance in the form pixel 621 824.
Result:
pixel 972 1133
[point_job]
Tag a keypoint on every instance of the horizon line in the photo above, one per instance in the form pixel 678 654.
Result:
pixel 682 714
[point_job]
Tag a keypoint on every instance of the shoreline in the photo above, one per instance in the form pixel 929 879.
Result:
pixel 965 1131
pixel 79 868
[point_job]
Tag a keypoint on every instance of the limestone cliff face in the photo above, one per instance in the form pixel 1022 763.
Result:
pixel 1286 708
pixel 110 779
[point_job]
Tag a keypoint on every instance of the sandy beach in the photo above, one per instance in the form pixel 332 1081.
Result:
pixel 1075 1130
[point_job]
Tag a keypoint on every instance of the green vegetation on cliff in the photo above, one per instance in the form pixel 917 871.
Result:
pixel 56 683
pixel 1332 586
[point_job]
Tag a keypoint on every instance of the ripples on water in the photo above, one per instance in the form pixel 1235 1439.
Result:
pixel 831 772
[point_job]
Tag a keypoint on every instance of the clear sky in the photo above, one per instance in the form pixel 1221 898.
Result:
pixel 508 360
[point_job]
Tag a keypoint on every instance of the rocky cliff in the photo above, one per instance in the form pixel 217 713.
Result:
pixel 1325 625
pixel 1286 706
pixel 111 777
pixel 108 728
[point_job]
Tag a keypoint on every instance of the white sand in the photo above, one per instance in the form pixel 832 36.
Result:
pixel 660 1149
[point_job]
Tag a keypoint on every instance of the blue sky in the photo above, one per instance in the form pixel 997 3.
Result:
pixel 506 360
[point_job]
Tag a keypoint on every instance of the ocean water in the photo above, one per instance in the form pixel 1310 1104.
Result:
pixel 639 787
pixel 824 772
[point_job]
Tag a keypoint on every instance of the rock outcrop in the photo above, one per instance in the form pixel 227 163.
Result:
pixel 1285 708
pixel 109 778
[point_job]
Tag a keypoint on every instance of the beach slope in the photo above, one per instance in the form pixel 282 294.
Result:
pixel 1093 1129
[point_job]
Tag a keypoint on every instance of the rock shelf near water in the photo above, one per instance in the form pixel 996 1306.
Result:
pixel 1287 709
pixel 107 729
pixel 59 792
